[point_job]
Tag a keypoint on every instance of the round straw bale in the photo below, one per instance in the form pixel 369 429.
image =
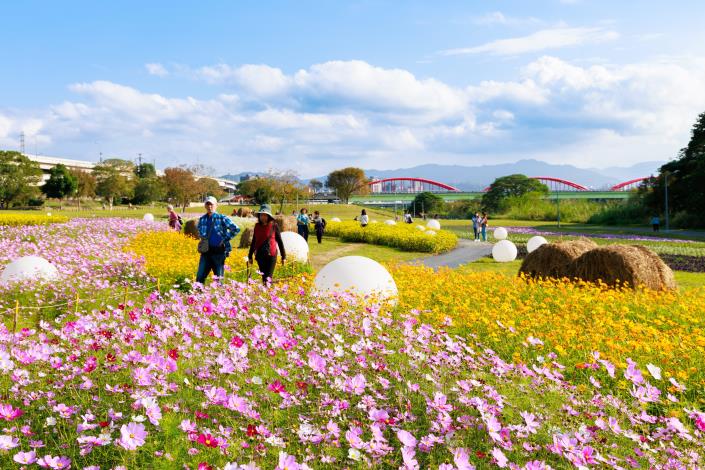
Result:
pixel 617 265
pixel 191 228
pixel 553 259
pixel 287 223
pixel 246 237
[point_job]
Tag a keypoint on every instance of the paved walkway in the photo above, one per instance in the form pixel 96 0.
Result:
pixel 466 252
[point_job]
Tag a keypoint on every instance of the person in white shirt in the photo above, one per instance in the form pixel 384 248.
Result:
pixel 364 220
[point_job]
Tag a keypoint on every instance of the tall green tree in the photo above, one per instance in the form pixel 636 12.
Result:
pixel 347 182
pixel 61 183
pixel 427 203
pixel 686 180
pixel 148 190
pixel 19 178
pixel 181 185
pixel 316 185
pixel 145 170
pixel 512 186
pixel 114 179
pixel 85 185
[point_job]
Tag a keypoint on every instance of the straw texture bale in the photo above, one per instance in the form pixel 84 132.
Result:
pixel 552 260
pixel 246 237
pixel 617 265
pixel 287 223
pixel 191 228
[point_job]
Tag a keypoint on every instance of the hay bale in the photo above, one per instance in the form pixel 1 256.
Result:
pixel 287 223
pixel 246 237
pixel 553 259
pixel 191 228
pixel 616 265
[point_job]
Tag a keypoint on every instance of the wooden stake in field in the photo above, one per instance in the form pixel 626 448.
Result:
pixel 75 307
pixel 16 317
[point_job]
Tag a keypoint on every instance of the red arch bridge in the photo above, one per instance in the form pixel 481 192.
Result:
pixel 400 185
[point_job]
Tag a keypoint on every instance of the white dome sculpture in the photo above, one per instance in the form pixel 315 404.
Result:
pixel 29 268
pixel 430 232
pixel 535 242
pixel 335 219
pixel 421 227
pixel 390 222
pixel 500 233
pixel 433 224
pixel 356 274
pixel 296 247
pixel 504 251
pixel 148 217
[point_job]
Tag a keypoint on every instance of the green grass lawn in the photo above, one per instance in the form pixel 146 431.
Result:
pixel 333 248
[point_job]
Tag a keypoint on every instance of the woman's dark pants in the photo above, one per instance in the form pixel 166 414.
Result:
pixel 266 266
pixel 303 231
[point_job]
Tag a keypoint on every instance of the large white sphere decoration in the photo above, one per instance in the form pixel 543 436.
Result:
pixel 535 242
pixel 390 222
pixel 148 217
pixel 358 275
pixel 500 233
pixel 430 232
pixel 29 268
pixel 433 224
pixel 296 247
pixel 504 251
pixel 421 227
pixel 335 219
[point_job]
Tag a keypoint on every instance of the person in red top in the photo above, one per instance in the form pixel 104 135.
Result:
pixel 265 240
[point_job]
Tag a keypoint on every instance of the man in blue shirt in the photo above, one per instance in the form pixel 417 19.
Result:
pixel 218 230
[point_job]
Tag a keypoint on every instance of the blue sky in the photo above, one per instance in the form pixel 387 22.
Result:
pixel 315 85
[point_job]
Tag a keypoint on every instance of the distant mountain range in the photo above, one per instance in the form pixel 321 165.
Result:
pixel 476 178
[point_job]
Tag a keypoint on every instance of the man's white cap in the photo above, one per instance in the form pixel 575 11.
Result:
pixel 211 199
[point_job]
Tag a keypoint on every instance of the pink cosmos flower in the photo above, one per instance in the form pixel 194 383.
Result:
pixel 356 385
pixel 276 387
pixel 699 419
pixel 633 373
pixel 287 462
pixel 25 458
pixel 132 436
pixel 499 457
pixel 8 442
pixel 8 413
pixel 55 463
pixel 461 459
pixel 409 458
pixel 406 438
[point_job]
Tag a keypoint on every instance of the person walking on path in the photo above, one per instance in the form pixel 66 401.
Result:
pixel 655 223
pixel 483 226
pixel 265 240
pixel 476 226
pixel 216 230
pixel 302 222
pixel 364 220
pixel 319 225
pixel 175 221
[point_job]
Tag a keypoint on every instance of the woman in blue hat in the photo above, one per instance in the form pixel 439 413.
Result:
pixel 265 241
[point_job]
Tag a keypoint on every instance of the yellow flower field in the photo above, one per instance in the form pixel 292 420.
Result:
pixel 405 237
pixel 16 220
pixel 172 256
pixel 663 328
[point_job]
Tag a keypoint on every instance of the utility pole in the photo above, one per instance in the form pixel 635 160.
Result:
pixel 558 209
pixel 22 142
pixel 665 195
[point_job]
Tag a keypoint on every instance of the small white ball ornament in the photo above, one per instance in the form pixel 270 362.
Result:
pixel 500 233
pixel 29 268
pixel 296 247
pixel 433 224
pixel 356 274
pixel 504 251
pixel 390 222
pixel 535 242
pixel 335 219
pixel 421 227
pixel 148 217
pixel 430 232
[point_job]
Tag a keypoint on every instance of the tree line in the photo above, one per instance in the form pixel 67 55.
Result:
pixel 113 180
